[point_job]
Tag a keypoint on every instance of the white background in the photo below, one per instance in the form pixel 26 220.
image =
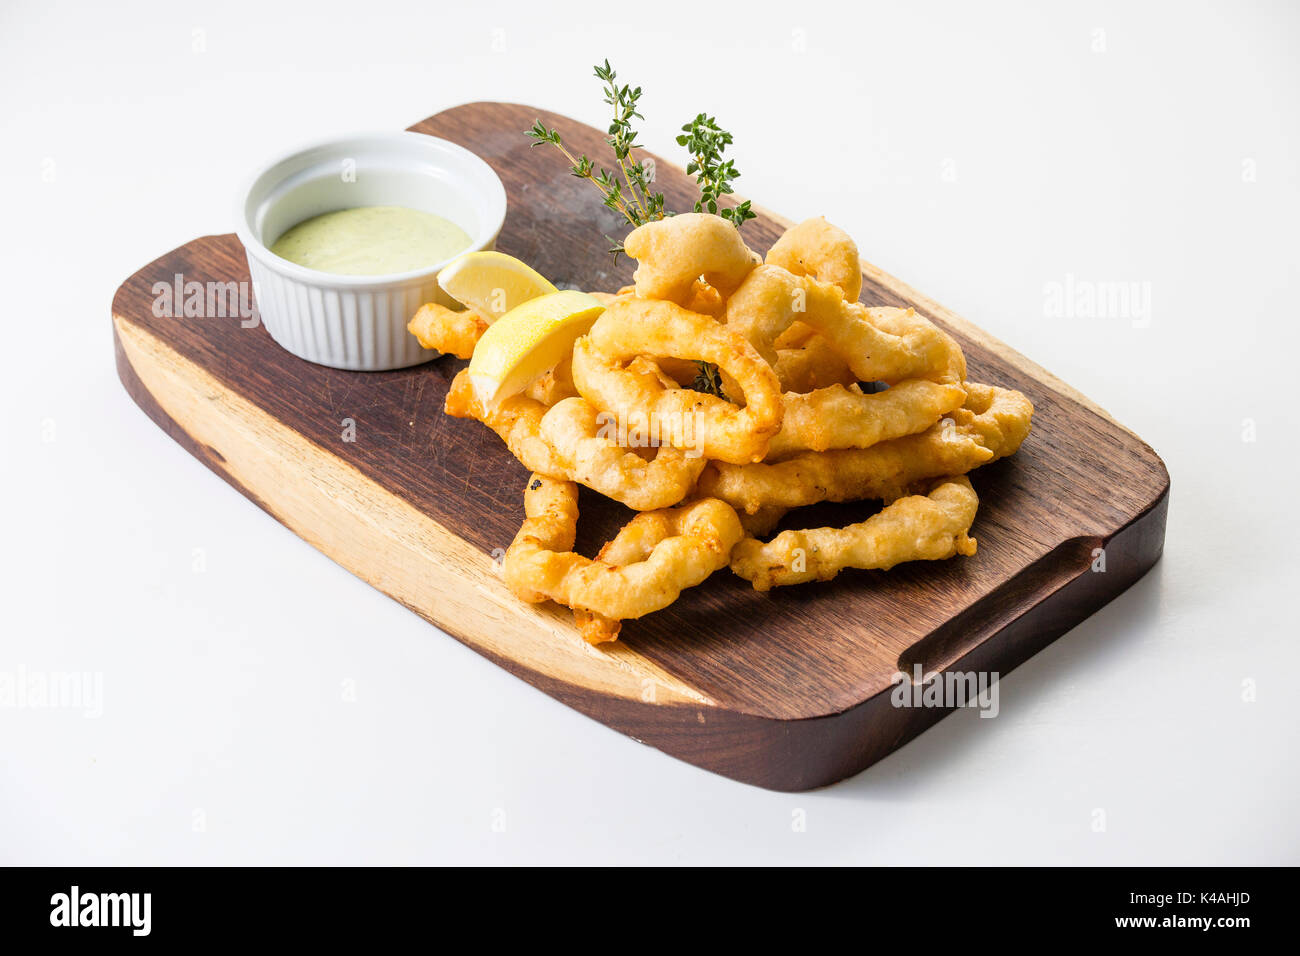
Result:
pixel 1162 150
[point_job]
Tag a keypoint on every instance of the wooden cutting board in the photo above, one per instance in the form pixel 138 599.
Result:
pixel 788 690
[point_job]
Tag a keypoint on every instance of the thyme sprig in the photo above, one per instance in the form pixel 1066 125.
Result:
pixel 629 189
pixel 632 196
pixel 707 379
pixel 622 140
pixel 706 142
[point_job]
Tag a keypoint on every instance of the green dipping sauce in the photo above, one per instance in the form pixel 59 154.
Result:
pixel 371 241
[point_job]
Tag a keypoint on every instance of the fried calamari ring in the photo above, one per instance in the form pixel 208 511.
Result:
pixel 685 545
pixel 844 417
pixel 916 528
pixel 589 449
pixel 991 424
pixel 771 299
pixel 811 365
pixel 686 419
pixel 550 528
pixel 673 253
pixel 633 543
pixel 818 249
pixel 452 333
pixel 566 443
pixel 910 326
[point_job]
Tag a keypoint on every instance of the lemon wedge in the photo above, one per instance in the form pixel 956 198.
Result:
pixel 492 283
pixel 527 342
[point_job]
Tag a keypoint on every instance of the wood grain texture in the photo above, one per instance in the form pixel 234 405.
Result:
pixel 787 690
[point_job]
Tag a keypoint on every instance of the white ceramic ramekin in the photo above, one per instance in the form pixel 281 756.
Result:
pixel 359 322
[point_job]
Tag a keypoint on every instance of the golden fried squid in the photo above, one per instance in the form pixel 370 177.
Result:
pixel 771 299
pixel 703 423
pixel 568 442
pixel 673 253
pixel 633 543
pixel 720 392
pixel 990 425
pixel 555 386
pixel 589 449
pixel 810 365
pixel 930 527
pixel 674 548
pixel 844 417
pixel 454 333
pixel 825 252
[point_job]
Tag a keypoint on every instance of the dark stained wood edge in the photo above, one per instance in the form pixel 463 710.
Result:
pixel 798 755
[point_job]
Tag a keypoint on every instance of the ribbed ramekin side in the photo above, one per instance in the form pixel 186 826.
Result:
pixel 355 329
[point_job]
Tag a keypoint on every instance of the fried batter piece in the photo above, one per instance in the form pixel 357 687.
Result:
pixel 633 543
pixel 706 300
pixel 780 352
pixel 703 423
pixel 810 365
pixel 596 628
pixel 991 424
pixel 555 386
pixel 565 442
pixel 591 456
pixel 816 248
pixel 929 527
pixel 797 335
pixel 444 330
pixel 843 417
pixel 673 253
pixel 677 548
pixel 771 299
